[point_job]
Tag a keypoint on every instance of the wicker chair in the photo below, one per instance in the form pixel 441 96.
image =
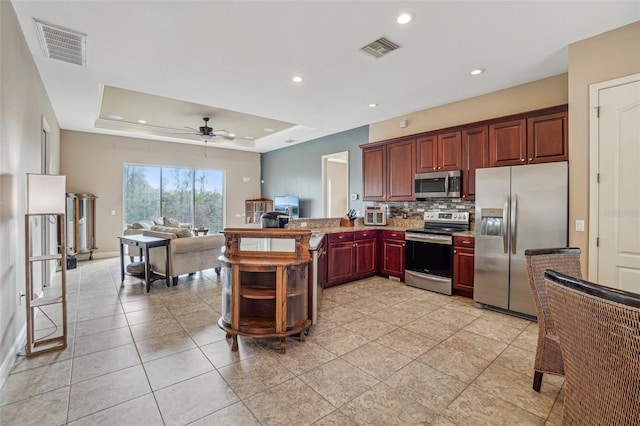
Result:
pixel 567 261
pixel 599 331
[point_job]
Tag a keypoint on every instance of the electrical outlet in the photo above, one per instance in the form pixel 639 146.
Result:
pixel 354 197
pixel 113 212
pixel 303 224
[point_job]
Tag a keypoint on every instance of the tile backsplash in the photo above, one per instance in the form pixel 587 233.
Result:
pixel 415 209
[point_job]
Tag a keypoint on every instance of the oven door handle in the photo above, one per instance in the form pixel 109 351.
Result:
pixel 431 277
pixel 428 239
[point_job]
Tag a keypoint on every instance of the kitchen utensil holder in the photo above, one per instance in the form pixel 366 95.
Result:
pixel 345 221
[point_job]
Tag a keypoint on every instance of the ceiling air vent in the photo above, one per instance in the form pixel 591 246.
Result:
pixel 380 47
pixel 61 43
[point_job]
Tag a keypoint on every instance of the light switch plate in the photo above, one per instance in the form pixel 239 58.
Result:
pixel 354 197
pixel 579 225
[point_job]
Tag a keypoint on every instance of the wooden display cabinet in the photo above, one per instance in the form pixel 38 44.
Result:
pixel 265 284
pixel 253 209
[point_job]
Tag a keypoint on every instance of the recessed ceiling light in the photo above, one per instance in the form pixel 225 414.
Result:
pixel 268 130
pixel 232 135
pixel 297 79
pixel 404 18
pixel 477 71
pixel 116 117
pixel 142 121
pixel 373 105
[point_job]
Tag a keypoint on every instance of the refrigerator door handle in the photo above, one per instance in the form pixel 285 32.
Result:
pixel 514 225
pixel 505 223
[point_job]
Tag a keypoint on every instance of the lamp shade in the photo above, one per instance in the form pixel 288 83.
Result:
pixel 46 194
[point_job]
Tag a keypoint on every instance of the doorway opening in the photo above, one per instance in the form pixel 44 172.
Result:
pixel 335 184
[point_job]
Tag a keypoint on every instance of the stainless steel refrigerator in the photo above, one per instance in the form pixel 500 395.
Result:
pixel 517 208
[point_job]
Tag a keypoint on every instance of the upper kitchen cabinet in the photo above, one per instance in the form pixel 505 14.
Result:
pixel 439 152
pixel 547 138
pixel 534 139
pixel 374 183
pixel 508 143
pixel 388 171
pixel 475 155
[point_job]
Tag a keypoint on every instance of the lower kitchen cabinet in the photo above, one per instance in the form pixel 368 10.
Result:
pixel 392 254
pixel 351 256
pixel 365 244
pixel 340 268
pixel 463 255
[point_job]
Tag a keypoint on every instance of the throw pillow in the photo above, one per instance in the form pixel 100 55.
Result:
pixel 136 225
pixel 158 222
pixel 174 223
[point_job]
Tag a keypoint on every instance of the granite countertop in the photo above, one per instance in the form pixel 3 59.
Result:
pixel 470 233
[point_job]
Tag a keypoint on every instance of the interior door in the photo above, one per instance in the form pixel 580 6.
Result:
pixel 618 257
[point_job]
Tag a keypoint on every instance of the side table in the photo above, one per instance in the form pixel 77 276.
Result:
pixel 145 242
pixel 198 231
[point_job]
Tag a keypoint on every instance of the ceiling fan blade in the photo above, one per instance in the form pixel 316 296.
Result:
pixel 190 128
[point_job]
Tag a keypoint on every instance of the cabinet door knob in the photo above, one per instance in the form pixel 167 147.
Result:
pixel 522 159
pixel 530 159
pixel 455 251
pixel 439 168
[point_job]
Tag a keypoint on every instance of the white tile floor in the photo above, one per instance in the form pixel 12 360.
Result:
pixel 382 354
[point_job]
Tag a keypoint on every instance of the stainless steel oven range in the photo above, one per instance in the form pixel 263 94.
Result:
pixel 428 254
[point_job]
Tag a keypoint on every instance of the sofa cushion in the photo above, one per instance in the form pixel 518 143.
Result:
pixel 173 223
pixel 179 232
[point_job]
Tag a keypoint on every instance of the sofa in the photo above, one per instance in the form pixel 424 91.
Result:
pixel 187 253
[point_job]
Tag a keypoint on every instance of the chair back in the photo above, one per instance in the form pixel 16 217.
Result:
pixel 599 333
pixel 564 260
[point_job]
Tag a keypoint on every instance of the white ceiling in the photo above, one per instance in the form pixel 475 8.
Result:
pixel 210 56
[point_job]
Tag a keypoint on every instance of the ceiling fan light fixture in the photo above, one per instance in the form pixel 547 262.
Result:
pixel 297 79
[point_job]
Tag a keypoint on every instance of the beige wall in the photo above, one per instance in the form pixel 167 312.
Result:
pixel 604 57
pixel 23 103
pixel 93 164
pixel 527 97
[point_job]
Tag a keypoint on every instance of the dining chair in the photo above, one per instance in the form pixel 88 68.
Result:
pixel 599 332
pixel 565 260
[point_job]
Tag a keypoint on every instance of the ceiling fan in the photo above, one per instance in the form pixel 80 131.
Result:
pixel 207 133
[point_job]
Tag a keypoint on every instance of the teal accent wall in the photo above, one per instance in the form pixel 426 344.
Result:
pixel 297 170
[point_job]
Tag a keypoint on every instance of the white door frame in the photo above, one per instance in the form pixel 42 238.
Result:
pixel 594 166
pixel 326 204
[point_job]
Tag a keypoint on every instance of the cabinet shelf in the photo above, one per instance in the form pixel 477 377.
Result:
pixel 262 293
pixel 45 257
pixel 43 301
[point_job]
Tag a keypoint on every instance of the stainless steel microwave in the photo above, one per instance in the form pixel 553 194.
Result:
pixel 438 184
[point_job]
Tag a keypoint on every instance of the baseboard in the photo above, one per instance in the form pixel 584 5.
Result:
pixel 10 360
pixel 99 255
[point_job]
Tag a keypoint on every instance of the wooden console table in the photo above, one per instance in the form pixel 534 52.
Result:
pixel 145 242
pixel 265 284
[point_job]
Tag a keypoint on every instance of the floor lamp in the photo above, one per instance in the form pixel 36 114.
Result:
pixel 45 199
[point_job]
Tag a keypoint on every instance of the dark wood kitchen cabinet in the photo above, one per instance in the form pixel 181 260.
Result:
pixel 351 256
pixel 388 171
pixel 439 152
pixel 365 251
pixel 475 155
pixel 374 165
pixel 463 258
pixel 340 267
pixel 508 143
pixel 392 254
pixel 535 139
pixel 547 138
